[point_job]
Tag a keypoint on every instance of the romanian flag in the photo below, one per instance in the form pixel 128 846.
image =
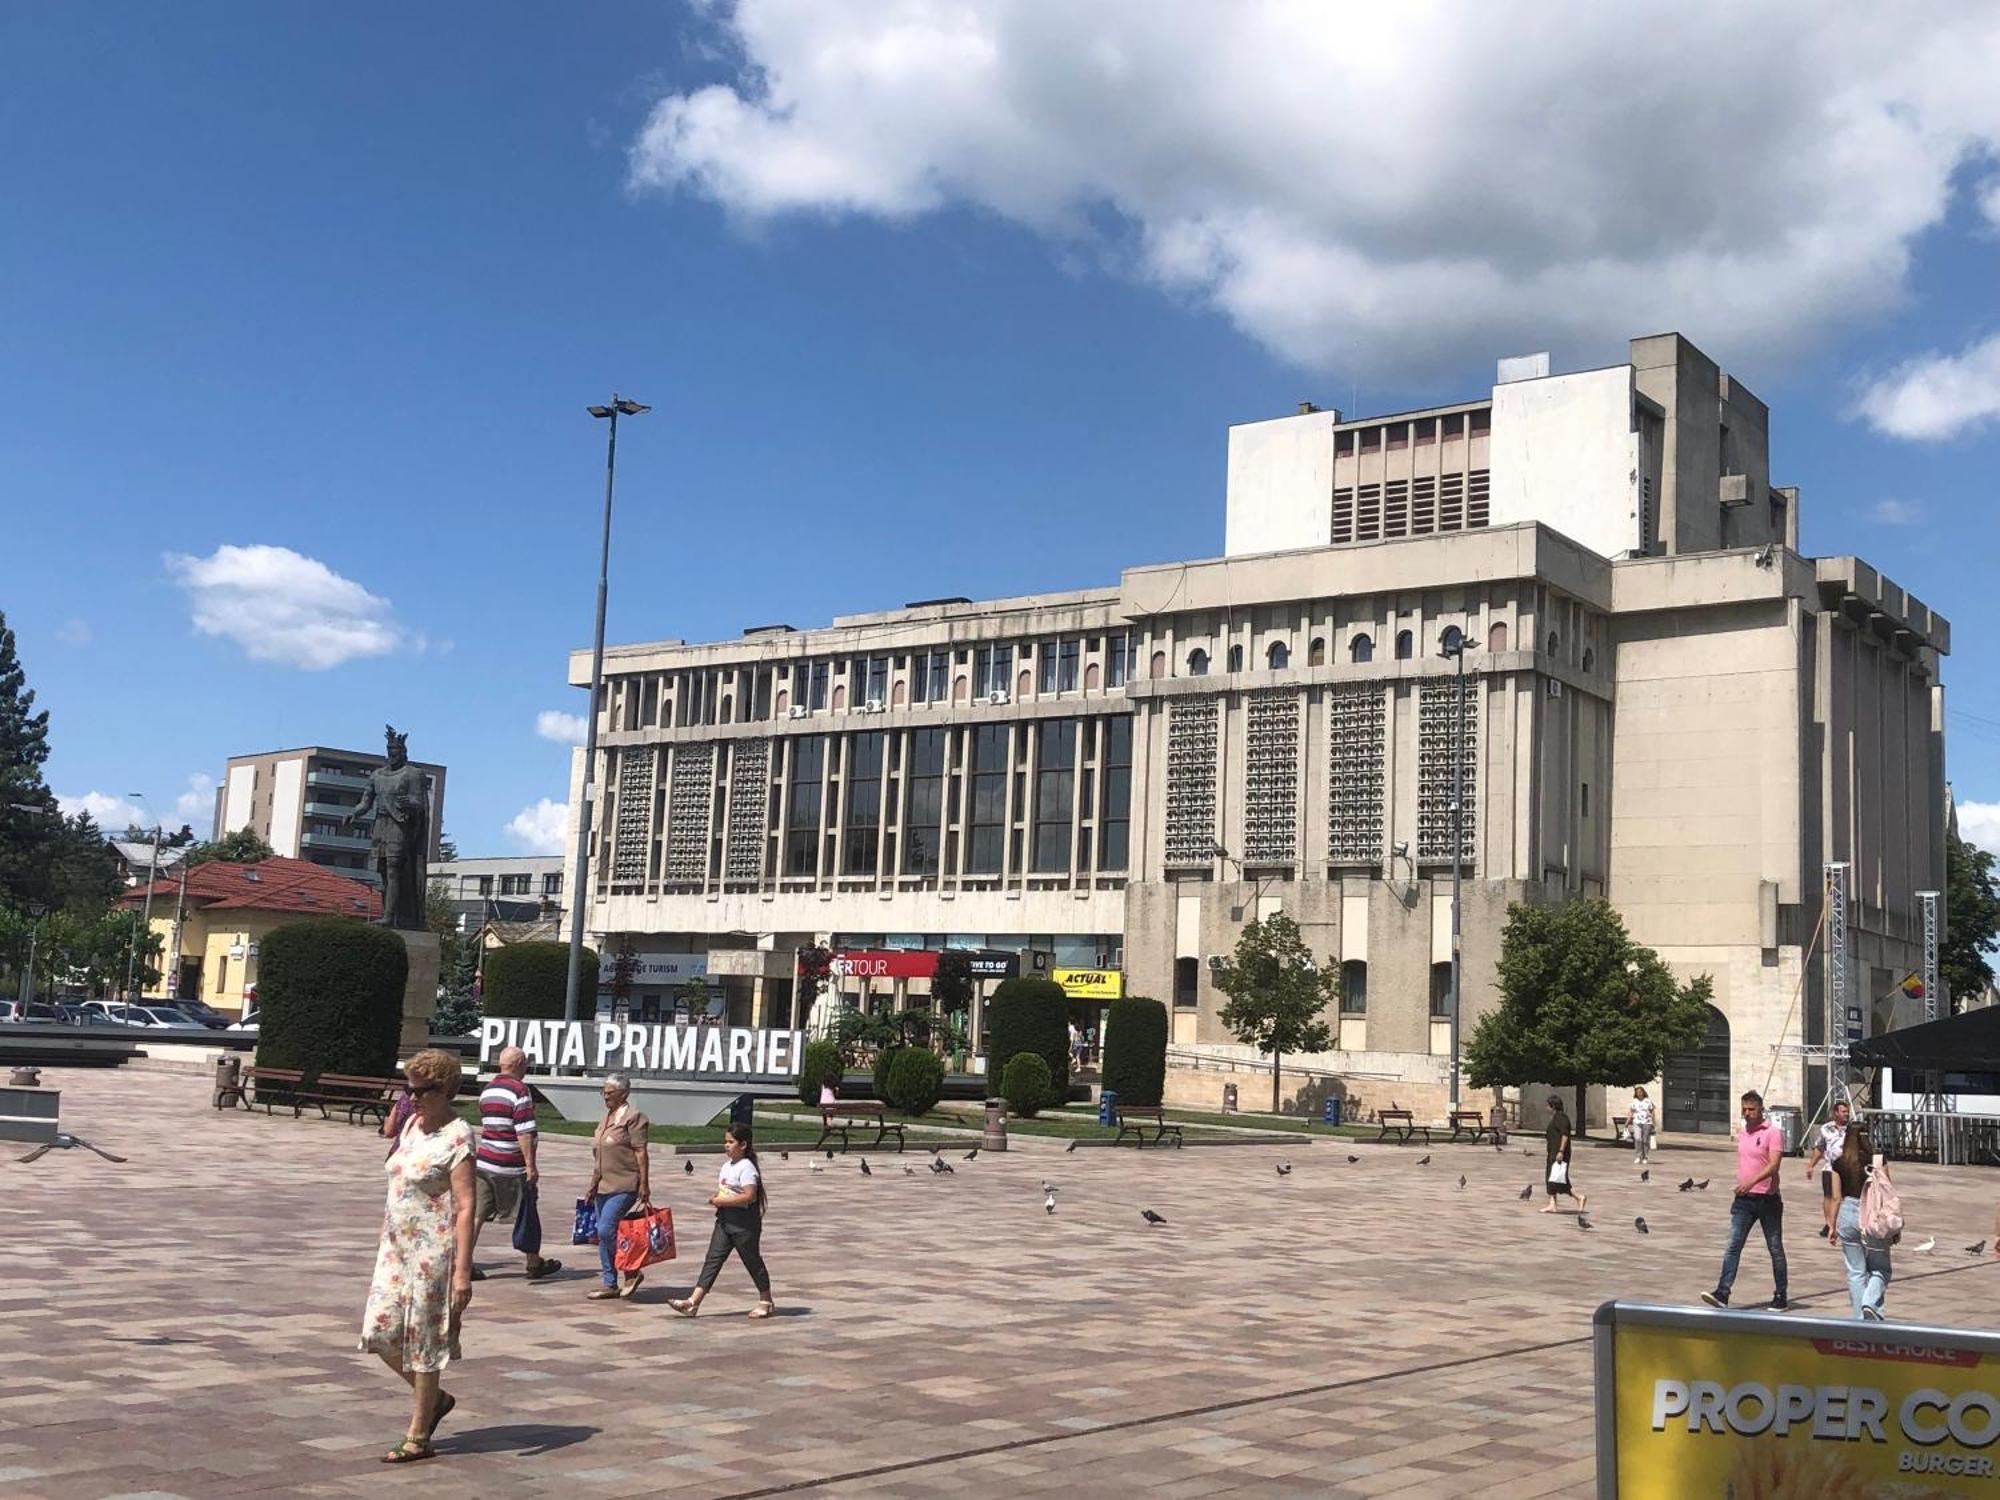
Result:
pixel 1913 986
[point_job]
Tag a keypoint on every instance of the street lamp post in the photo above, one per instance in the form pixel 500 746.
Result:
pixel 1455 645
pixel 35 911
pixel 619 407
pixel 145 921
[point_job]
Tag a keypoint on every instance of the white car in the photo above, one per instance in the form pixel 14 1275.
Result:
pixel 248 1023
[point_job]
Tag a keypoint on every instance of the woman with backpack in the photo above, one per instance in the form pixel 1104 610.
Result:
pixel 1868 1222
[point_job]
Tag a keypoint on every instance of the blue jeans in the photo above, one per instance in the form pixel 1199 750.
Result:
pixel 1867 1264
pixel 610 1209
pixel 1767 1209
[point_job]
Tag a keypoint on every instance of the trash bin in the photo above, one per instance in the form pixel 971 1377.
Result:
pixel 1790 1120
pixel 1107 1107
pixel 742 1110
pixel 1229 1098
pixel 995 1138
pixel 228 1075
pixel 1329 1112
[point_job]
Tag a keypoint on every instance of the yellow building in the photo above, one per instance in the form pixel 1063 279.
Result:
pixel 210 944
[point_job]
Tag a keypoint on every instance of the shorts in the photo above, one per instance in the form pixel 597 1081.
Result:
pixel 1825 1183
pixel 495 1197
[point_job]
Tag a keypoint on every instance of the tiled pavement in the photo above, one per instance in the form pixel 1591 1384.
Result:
pixel 183 1325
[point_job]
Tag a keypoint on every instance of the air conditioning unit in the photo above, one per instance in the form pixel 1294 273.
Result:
pixel 872 706
pixel 997 697
pixel 1555 687
pixel 798 711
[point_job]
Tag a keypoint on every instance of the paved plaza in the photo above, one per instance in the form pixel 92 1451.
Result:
pixel 184 1325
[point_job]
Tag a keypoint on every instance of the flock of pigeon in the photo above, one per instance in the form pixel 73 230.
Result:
pixel 939 1167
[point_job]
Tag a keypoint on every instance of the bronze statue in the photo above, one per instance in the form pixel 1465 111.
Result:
pixel 398 801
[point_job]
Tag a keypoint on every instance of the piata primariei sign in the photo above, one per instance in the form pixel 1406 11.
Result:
pixel 732 1050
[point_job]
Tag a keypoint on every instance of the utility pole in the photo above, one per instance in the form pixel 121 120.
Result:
pixel 173 956
pixel 145 921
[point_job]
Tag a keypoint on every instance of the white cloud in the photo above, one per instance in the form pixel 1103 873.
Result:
pixel 75 632
pixel 1397 188
pixel 197 804
pixel 1979 823
pixel 564 729
pixel 283 607
pixel 1938 395
pixel 112 814
pixel 540 828
pixel 1892 512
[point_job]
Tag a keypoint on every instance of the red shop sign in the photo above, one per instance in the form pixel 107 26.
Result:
pixel 892 963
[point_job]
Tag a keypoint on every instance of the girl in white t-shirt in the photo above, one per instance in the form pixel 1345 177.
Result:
pixel 1641 1127
pixel 739 1224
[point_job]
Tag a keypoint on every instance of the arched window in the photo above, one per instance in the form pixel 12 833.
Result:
pixel 1354 988
pixel 1589 660
pixel 1406 645
pixel 1158 666
pixel 1235 658
pixel 1197 663
pixel 1316 653
pixel 1279 656
pixel 1361 648
pixel 1554 642
pixel 1496 638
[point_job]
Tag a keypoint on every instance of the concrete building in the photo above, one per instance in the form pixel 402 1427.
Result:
pixel 1665 704
pixel 506 888
pixel 295 800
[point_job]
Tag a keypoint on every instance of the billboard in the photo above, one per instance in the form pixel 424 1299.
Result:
pixel 1091 984
pixel 1692 1403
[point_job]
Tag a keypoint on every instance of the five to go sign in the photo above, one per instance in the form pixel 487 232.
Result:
pixel 1092 984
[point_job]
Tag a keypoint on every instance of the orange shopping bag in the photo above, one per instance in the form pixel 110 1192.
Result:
pixel 644 1238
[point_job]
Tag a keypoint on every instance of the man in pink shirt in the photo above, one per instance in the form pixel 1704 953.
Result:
pixel 1759 1150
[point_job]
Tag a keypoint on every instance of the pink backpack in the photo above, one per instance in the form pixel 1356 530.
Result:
pixel 1881 1207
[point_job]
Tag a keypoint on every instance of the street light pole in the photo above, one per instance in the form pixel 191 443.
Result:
pixel 146 921
pixel 584 816
pixel 1454 645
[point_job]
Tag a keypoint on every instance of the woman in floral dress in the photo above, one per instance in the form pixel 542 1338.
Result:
pixel 423 1272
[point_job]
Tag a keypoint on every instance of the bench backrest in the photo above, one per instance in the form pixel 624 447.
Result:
pixel 1395 1114
pixel 1467 1114
pixel 852 1107
pixel 276 1075
pixel 354 1081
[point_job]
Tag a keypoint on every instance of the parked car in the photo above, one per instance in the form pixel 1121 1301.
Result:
pixel 10 1010
pixel 197 1012
pixel 248 1023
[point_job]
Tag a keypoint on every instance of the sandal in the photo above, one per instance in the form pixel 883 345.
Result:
pixel 602 1294
pixel 409 1451
pixel 446 1405
pixel 685 1307
pixel 633 1285
pixel 546 1269
pixel 761 1310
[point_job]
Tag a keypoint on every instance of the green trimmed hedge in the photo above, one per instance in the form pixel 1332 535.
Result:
pixel 1026 1084
pixel 885 1059
pixel 820 1063
pixel 916 1081
pixel 1029 1015
pixel 330 997
pixel 1135 1050
pixel 528 980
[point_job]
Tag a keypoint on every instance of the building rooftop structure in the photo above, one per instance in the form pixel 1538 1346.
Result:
pixel 277 884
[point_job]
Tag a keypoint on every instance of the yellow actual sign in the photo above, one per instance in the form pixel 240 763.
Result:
pixel 1092 984
pixel 1757 1407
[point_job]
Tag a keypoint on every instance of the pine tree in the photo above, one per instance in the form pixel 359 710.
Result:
pixel 30 825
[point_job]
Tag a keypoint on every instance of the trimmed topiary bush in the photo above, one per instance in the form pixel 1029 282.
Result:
pixel 1135 1050
pixel 916 1080
pixel 330 997
pixel 885 1059
pixel 1026 1084
pixel 1030 1015
pixel 820 1063
pixel 528 980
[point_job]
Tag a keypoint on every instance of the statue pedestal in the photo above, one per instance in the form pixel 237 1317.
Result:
pixel 419 990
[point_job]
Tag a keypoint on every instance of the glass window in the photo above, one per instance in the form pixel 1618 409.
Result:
pixel 1197 663
pixel 1441 992
pixel 930 677
pixel 1115 826
pixel 1235 658
pixel 1118 665
pixel 1316 653
pixel 1361 648
pixel 1406 645
pixel 988 812
pixel 864 805
pixel 1067 657
pixel 816 698
pixel 1045 682
pixel 1354 988
pixel 1279 656
pixel 1187 981
pixel 1055 794
pixel 923 813
pixel 552 885
pixel 802 810
pixel 871 680
pixel 993 667
pixel 485 889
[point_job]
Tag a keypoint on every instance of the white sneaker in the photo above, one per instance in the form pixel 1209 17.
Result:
pixel 1871 1314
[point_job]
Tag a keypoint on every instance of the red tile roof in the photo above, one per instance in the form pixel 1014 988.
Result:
pixel 275 884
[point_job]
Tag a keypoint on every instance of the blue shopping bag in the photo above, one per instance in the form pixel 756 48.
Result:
pixel 585 1232
pixel 528 1223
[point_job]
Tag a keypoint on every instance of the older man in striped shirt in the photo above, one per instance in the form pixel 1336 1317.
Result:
pixel 504 1160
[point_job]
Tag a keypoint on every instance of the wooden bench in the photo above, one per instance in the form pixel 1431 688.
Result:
pixel 1470 1125
pixel 359 1096
pixel 255 1086
pixel 1402 1124
pixel 838 1118
pixel 1134 1118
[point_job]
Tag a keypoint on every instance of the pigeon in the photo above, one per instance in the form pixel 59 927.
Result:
pixel 908 1170
pixel 688 1166
pixel 1526 1152
pixel 1583 1223
pixel 817 1168
pixel 864 1168
pixel 1047 1186
pixel 1070 1147
pixel 1975 1249
pixel 829 1153
pixel 1688 1186
pixel 1646 1175
pixel 1499 1148
pixel 970 1154
pixel 1150 1217
pixel 1284 1169
pixel 784 1156
pixel 1640 1225
pixel 1424 1162
pixel 1702 1186
pixel 1352 1159
pixel 1527 1192
pixel 1926 1247
pixel 1049 1204
pixel 936 1149
pixel 945 1168
pixel 1461 1182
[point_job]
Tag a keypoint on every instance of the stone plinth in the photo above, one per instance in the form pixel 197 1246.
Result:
pixel 419 991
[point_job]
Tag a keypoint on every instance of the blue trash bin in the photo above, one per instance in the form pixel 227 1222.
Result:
pixel 1107 1107
pixel 1329 1112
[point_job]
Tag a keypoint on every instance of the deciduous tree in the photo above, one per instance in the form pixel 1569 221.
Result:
pixel 1276 991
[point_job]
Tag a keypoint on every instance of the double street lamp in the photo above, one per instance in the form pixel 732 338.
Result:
pixel 619 407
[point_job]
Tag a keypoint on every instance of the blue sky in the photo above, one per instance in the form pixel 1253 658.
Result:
pixel 951 305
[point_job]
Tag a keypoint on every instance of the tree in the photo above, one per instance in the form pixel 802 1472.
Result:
pixel 1971 921
pixel 693 993
pixel 243 847
pixel 624 972
pixel 447 849
pixel 83 871
pixel 29 821
pixel 1276 993
pixel 1581 1003
pixel 815 968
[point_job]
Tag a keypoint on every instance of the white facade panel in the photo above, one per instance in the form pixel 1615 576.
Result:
pixel 238 798
pixel 288 780
pixel 1280 484
pixel 1564 453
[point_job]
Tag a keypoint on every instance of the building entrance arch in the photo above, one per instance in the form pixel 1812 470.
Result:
pixel 1696 1084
